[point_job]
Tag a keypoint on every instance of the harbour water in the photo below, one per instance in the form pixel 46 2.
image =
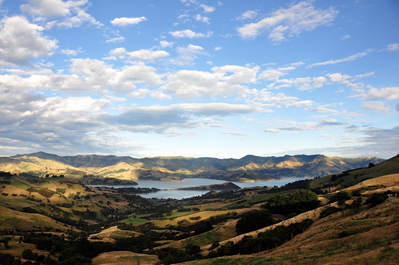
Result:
pixel 167 188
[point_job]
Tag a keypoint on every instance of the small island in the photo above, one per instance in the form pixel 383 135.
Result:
pixel 223 186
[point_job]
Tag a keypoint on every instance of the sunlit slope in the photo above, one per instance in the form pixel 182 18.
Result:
pixel 248 168
pixel 351 177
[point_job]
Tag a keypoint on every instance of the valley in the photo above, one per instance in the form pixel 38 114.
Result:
pixel 349 217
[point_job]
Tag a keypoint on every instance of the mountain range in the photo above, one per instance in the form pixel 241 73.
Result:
pixel 247 168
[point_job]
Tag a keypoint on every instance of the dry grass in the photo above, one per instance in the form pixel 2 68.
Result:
pixel 10 219
pixel 373 239
pixel 109 234
pixel 125 257
pixel 389 181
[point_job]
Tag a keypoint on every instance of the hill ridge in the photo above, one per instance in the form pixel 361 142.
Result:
pixel 247 168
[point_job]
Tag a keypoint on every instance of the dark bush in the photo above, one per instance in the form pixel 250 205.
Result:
pixel 254 220
pixel 328 211
pixel 376 198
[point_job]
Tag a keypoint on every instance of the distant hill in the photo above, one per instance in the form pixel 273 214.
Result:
pixel 248 168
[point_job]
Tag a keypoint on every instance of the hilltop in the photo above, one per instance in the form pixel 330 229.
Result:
pixel 248 168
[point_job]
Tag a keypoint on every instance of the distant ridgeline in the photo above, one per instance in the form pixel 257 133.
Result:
pixel 248 168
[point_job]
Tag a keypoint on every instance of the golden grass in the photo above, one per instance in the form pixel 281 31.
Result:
pixel 391 180
pixel 186 218
pixel 10 219
pixel 125 257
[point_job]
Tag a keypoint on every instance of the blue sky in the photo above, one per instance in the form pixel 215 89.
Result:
pixel 199 78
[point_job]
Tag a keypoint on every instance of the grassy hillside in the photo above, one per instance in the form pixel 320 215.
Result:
pixel 351 177
pixel 110 226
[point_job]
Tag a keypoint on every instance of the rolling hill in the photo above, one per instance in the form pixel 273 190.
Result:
pixel 248 168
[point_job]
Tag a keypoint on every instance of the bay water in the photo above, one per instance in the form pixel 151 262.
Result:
pixel 167 188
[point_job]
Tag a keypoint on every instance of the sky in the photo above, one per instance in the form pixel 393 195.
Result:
pixel 199 78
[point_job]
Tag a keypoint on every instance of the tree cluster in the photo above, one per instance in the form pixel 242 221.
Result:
pixel 300 201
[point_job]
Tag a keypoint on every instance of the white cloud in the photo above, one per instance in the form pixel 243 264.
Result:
pixel 235 133
pixel 70 13
pixel 164 119
pixel 347 59
pixel 118 52
pixel 389 93
pixel 127 21
pixel 345 37
pixel 393 47
pixel 223 81
pixel 250 14
pixel 148 55
pixel 276 100
pixel 189 34
pixel 376 106
pixel 187 54
pixel 165 44
pixel 51 123
pixel 208 9
pixel 47 8
pixel 306 126
pixel 71 52
pixel 201 18
pixel 304 83
pixel 21 41
pixel 88 75
pixel 271 74
pixel 116 40
pixel 289 22
pixel 322 109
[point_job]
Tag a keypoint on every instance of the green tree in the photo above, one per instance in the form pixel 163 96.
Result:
pixel 342 195
pixel 254 220
pixel 300 201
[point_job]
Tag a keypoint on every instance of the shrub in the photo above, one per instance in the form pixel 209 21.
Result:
pixel 376 198
pixel 328 211
pixel 342 195
pixel 254 220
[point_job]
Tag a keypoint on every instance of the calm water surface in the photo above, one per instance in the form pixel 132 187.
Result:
pixel 165 193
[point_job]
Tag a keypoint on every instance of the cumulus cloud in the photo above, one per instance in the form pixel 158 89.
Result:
pixel 288 22
pixel 347 59
pixel 69 14
pixel 207 9
pixel 49 123
pixel 127 21
pixel 188 33
pixel 148 55
pixel 21 41
pixel 88 75
pixel 201 18
pixel 223 81
pixel 271 74
pixel 47 8
pixel 388 93
pixel 187 54
pixel 165 44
